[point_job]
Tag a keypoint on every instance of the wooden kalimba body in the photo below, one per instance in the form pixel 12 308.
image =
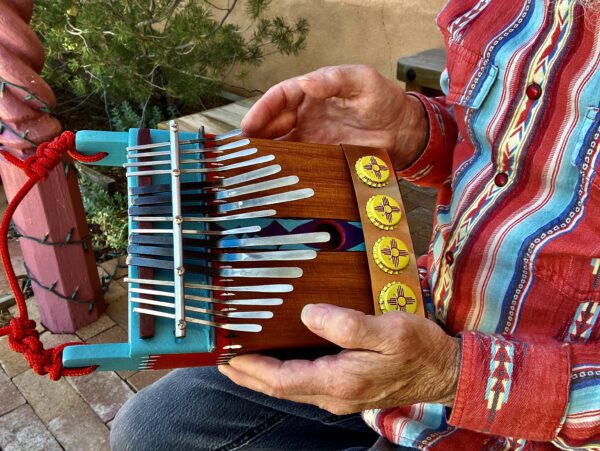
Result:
pixel 230 238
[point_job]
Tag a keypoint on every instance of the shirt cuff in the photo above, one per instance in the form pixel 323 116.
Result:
pixel 511 388
pixel 434 164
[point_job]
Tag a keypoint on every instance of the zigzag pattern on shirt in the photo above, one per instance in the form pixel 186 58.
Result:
pixel 513 147
pixel 583 323
pixel 458 26
pixel 568 221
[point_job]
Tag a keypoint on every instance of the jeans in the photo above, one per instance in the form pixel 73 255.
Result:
pixel 198 408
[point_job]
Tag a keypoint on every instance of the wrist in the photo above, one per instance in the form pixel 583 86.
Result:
pixel 451 373
pixel 413 134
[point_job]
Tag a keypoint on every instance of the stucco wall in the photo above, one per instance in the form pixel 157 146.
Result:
pixel 375 32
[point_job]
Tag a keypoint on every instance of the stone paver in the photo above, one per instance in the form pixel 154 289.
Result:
pixel 142 379
pixel 108 268
pixel 102 324
pixel 10 398
pixel 51 340
pixel 103 391
pixel 117 309
pixel 12 362
pixel 70 420
pixel 80 429
pixel 21 430
pixel 116 292
pixel 115 334
pixel 49 399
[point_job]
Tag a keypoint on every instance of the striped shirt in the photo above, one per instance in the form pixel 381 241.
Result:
pixel 514 262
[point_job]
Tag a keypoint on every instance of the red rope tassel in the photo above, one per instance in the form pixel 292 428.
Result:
pixel 22 335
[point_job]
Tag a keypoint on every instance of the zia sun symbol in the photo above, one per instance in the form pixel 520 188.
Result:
pixel 387 209
pixel 394 252
pixel 401 300
pixel 375 168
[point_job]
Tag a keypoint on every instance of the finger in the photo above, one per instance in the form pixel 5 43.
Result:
pixel 329 403
pixel 291 377
pixel 243 379
pixel 284 96
pixel 343 82
pixel 347 328
pixel 278 127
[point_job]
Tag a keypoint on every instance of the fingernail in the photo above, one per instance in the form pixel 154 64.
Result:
pixel 314 316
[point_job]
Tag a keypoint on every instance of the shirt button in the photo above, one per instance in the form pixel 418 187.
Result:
pixel 534 91
pixel 501 179
pixel 449 258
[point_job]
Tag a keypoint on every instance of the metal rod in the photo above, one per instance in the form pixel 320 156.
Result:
pixel 229 156
pixel 177 236
pixel 245 315
pixel 288 196
pixel 250 215
pixel 227 243
pixel 238 231
pixel 209 184
pixel 268 256
pixel 228 326
pixel 221 137
pixel 270 288
pixel 190 297
pixel 243 164
pixel 251 273
pixel 219 149
pixel 219 195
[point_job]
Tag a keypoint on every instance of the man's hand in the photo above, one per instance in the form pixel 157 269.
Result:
pixel 342 105
pixel 390 360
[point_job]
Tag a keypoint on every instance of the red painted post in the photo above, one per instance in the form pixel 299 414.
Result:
pixel 53 210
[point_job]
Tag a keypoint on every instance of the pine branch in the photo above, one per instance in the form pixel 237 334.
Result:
pixel 166 15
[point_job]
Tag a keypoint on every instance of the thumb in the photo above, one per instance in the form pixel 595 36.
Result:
pixel 344 327
pixel 338 81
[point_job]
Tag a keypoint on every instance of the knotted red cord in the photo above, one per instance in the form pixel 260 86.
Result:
pixel 22 335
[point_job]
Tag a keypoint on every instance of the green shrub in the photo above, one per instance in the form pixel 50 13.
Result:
pixel 153 52
pixel 106 215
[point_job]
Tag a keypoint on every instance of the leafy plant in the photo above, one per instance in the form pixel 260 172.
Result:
pixel 155 52
pixel 106 215
pixel 124 116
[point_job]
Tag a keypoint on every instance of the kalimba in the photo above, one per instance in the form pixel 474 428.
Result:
pixel 230 237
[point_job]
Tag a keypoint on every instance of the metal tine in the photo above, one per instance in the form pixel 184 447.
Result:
pixel 227 272
pixel 225 257
pixel 221 182
pixel 219 149
pixel 227 326
pixel 268 185
pixel 269 288
pixel 287 196
pixel 238 231
pixel 266 256
pixel 191 297
pixel 221 137
pixel 250 215
pixel 229 156
pixel 269 256
pixel 225 243
pixel 243 164
pixel 224 314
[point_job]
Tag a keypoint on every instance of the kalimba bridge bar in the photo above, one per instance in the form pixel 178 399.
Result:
pixel 230 237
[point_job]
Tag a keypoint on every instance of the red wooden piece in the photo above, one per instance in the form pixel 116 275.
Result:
pixel 53 207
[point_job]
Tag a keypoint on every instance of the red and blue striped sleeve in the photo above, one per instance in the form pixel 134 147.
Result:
pixel 434 165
